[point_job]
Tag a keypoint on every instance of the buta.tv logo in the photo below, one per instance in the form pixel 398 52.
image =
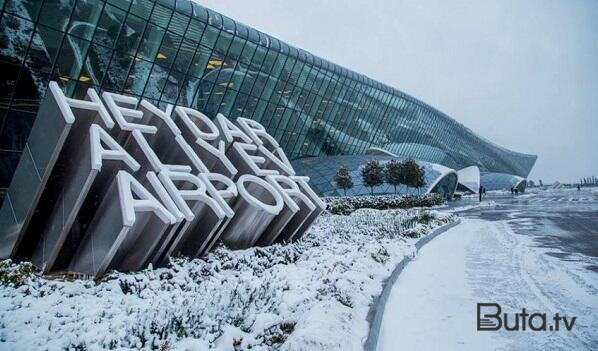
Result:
pixel 489 318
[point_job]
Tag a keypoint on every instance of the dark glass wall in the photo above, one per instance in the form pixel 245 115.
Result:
pixel 178 52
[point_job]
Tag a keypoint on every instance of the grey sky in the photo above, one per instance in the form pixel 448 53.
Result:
pixel 523 74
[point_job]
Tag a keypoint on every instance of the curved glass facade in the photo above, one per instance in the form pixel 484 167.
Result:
pixel 322 170
pixel 501 181
pixel 179 52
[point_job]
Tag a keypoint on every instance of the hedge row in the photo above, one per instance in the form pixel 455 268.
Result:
pixel 346 205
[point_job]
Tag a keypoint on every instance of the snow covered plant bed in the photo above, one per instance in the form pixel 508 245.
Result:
pixel 346 205
pixel 310 295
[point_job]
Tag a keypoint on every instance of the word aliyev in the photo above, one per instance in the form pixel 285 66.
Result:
pixel 124 185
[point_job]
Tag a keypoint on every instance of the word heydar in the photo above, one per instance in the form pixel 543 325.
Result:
pixel 133 185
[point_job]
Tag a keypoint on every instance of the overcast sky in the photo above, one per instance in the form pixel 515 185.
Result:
pixel 523 74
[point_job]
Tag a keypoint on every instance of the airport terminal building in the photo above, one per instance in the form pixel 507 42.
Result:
pixel 178 52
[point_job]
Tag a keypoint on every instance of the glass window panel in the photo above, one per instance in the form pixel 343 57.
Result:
pixel 130 35
pixel 117 72
pixel 247 54
pixel 168 50
pixel 200 61
pixel 85 18
pixel 214 101
pixel 156 82
pixel 25 8
pixel 43 49
pixel 236 79
pixel 239 106
pixel 228 24
pixel 184 7
pixel 171 89
pixel 213 67
pixel 168 3
pixel 123 4
pixel 236 49
pixel 209 37
pixel 252 104
pixel 203 93
pixel 26 95
pixel 142 8
pixel 199 12
pixel 140 71
pixel 248 82
pixel 214 19
pixel 81 88
pixel 8 164
pixel 269 61
pixel 150 44
pixel 16 130
pixel 188 91
pixel 109 26
pixel 260 115
pixel 224 78
pixel 97 62
pixel 185 55
pixel 8 81
pixel 223 42
pixel 253 35
pixel 259 85
pixel 16 31
pixel 264 40
pixel 48 13
pixel 195 30
pixel 227 103
pixel 70 58
pixel 178 23
pixel 161 16
pixel 258 58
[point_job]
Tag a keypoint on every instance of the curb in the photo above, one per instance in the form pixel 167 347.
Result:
pixel 376 311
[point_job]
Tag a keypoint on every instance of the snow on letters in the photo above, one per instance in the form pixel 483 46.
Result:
pixel 126 184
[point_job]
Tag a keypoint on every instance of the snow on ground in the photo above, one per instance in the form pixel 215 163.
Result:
pixel 433 305
pixel 310 295
pixel 482 204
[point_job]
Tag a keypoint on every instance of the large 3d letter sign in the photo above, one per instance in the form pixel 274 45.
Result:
pixel 113 183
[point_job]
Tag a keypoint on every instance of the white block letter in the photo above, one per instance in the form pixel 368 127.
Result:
pixel 127 185
pixel 97 136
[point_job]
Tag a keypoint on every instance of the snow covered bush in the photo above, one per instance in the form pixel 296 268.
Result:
pixel 15 275
pixel 346 205
pixel 310 295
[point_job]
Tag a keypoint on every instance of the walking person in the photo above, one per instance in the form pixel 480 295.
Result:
pixel 480 192
pixel 512 191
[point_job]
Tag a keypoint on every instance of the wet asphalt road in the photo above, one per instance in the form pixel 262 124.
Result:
pixel 565 220
pixel 537 251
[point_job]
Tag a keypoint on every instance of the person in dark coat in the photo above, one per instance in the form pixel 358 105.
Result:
pixel 512 191
pixel 480 192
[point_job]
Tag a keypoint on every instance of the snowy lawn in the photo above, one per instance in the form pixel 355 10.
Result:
pixel 310 295
pixel 486 261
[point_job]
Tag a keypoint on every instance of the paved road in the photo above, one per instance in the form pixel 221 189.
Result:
pixel 536 251
pixel 565 220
